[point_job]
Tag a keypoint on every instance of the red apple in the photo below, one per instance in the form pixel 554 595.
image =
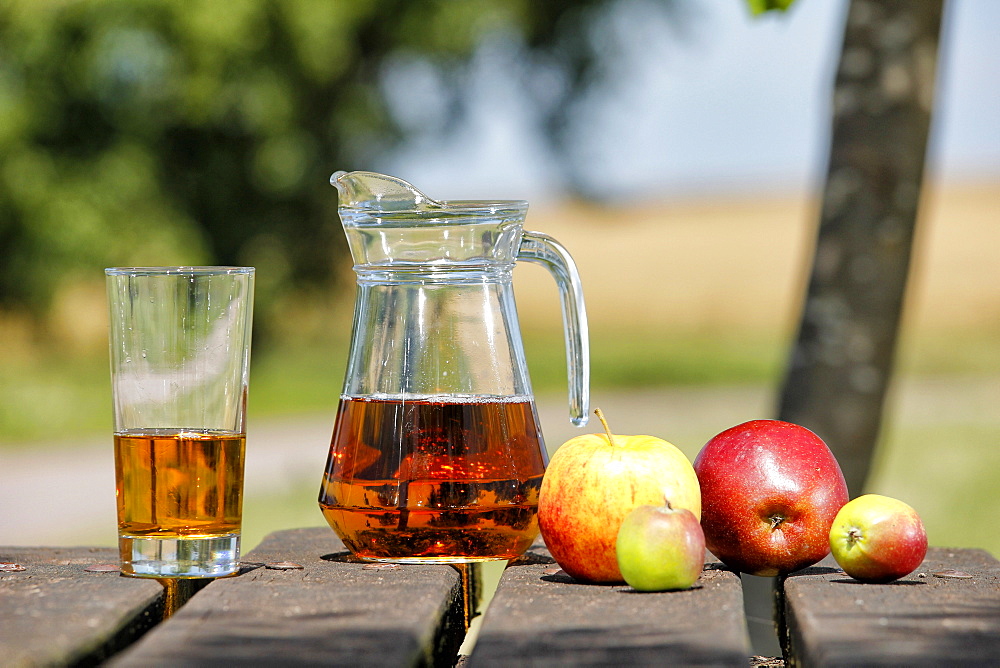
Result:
pixel 770 491
pixel 876 538
pixel 593 482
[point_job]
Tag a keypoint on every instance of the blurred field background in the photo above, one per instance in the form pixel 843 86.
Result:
pixel 693 286
pixel 689 337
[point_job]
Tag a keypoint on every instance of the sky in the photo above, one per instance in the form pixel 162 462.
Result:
pixel 734 104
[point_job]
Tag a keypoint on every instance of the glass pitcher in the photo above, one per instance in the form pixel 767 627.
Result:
pixel 437 455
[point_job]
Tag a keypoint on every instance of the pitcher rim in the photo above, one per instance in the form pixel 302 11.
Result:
pixel 483 207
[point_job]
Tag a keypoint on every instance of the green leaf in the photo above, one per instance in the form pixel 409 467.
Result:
pixel 758 7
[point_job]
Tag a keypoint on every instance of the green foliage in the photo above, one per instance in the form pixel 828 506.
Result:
pixel 154 132
pixel 157 132
pixel 758 7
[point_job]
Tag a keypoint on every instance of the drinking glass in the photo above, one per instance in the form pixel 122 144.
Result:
pixel 180 355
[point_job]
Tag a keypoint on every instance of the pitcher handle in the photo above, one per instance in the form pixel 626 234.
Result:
pixel 546 251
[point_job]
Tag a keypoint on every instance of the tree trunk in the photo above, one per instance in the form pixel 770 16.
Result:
pixel 840 367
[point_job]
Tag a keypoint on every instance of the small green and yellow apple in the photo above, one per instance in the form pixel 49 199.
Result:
pixel 660 548
pixel 877 538
pixel 770 490
pixel 593 482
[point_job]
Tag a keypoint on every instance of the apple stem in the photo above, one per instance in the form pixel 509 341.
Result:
pixel 607 430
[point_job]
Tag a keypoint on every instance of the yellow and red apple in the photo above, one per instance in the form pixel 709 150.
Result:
pixel 593 482
pixel 877 538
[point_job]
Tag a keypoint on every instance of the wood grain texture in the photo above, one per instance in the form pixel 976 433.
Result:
pixel 333 611
pixel 542 617
pixel 920 620
pixel 55 612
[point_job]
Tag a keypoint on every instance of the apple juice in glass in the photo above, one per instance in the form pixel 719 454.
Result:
pixel 436 454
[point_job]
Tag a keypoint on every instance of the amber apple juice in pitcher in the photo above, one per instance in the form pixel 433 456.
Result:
pixel 426 479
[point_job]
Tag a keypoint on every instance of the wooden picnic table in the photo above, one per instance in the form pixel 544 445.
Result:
pixel 301 600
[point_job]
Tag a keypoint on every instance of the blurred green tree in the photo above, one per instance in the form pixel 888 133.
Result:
pixel 157 132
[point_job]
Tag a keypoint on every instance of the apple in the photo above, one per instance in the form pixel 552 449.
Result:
pixel 660 548
pixel 876 538
pixel 593 482
pixel 770 490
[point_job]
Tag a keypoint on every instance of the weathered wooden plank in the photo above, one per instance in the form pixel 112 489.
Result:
pixel 55 612
pixel 540 616
pixel 921 620
pixel 333 611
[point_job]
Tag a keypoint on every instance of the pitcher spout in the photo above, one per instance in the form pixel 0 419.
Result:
pixel 389 223
pixel 378 192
